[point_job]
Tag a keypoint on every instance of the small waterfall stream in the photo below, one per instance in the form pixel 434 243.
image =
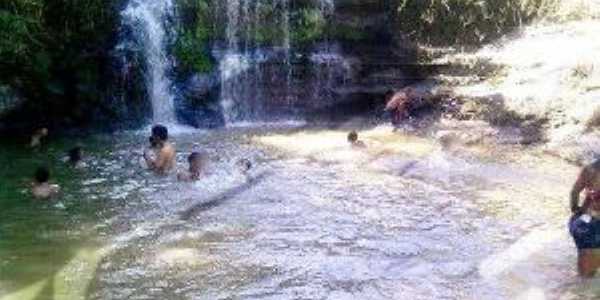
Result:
pixel 240 60
pixel 255 74
pixel 147 18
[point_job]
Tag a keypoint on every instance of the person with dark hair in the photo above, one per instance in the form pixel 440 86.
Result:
pixel 41 188
pixel 160 133
pixel 165 157
pixel 584 225
pixel 196 162
pixel 354 141
pixel 153 143
pixel 75 156
pixel 244 165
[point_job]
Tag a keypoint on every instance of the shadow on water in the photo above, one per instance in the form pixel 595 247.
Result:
pixel 222 198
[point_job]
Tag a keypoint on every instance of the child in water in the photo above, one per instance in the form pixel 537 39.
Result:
pixel 354 141
pixel 41 188
pixel 75 156
pixel 244 165
pixel 195 161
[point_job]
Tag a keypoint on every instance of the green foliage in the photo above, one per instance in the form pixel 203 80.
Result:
pixel 190 51
pixel 52 53
pixel 443 22
pixel 195 30
pixel 308 25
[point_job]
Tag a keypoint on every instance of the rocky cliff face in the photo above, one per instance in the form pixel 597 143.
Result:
pixel 335 71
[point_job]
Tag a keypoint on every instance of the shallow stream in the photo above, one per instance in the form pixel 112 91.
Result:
pixel 314 219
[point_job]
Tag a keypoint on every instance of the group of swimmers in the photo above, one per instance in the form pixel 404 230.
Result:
pixel 160 158
pixel 41 188
pixel 584 225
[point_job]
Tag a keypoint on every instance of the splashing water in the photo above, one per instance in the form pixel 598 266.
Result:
pixel 314 219
pixel 147 19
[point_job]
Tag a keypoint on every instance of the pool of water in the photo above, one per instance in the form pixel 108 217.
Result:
pixel 314 219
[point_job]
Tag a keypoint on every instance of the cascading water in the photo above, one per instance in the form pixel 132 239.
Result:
pixel 147 19
pixel 241 58
pixel 257 75
pixel 329 66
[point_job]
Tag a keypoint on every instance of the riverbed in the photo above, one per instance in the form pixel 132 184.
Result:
pixel 404 218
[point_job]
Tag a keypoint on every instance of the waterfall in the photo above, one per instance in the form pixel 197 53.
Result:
pixel 240 62
pixel 264 76
pixel 325 61
pixel 146 19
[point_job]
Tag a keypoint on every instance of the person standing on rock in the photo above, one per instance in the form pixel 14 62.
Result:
pixel 165 157
pixel 401 103
pixel 585 222
pixel 396 104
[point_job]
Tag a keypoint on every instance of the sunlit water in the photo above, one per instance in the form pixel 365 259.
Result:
pixel 314 219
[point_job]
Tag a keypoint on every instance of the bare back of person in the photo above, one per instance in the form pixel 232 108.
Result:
pixel 165 160
pixel 165 151
pixel 45 190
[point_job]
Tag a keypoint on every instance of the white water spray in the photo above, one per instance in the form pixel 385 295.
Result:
pixel 147 18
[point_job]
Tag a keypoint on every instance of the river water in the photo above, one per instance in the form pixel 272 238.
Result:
pixel 314 219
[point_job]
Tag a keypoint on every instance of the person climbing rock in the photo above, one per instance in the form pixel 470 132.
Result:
pixel 354 141
pixel 584 225
pixel 165 157
pixel 196 162
pixel 405 101
pixel 41 188
pixel 37 137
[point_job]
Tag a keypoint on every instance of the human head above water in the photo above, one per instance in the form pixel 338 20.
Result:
pixel 160 133
pixel 194 156
pixel 75 154
pixel 245 165
pixel 352 136
pixel 195 161
pixel 42 175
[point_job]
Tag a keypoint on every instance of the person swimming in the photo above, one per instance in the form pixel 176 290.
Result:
pixel 196 162
pixel 165 152
pixel 37 137
pixel 75 157
pixel 41 188
pixel 354 141
pixel 584 225
pixel 244 166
